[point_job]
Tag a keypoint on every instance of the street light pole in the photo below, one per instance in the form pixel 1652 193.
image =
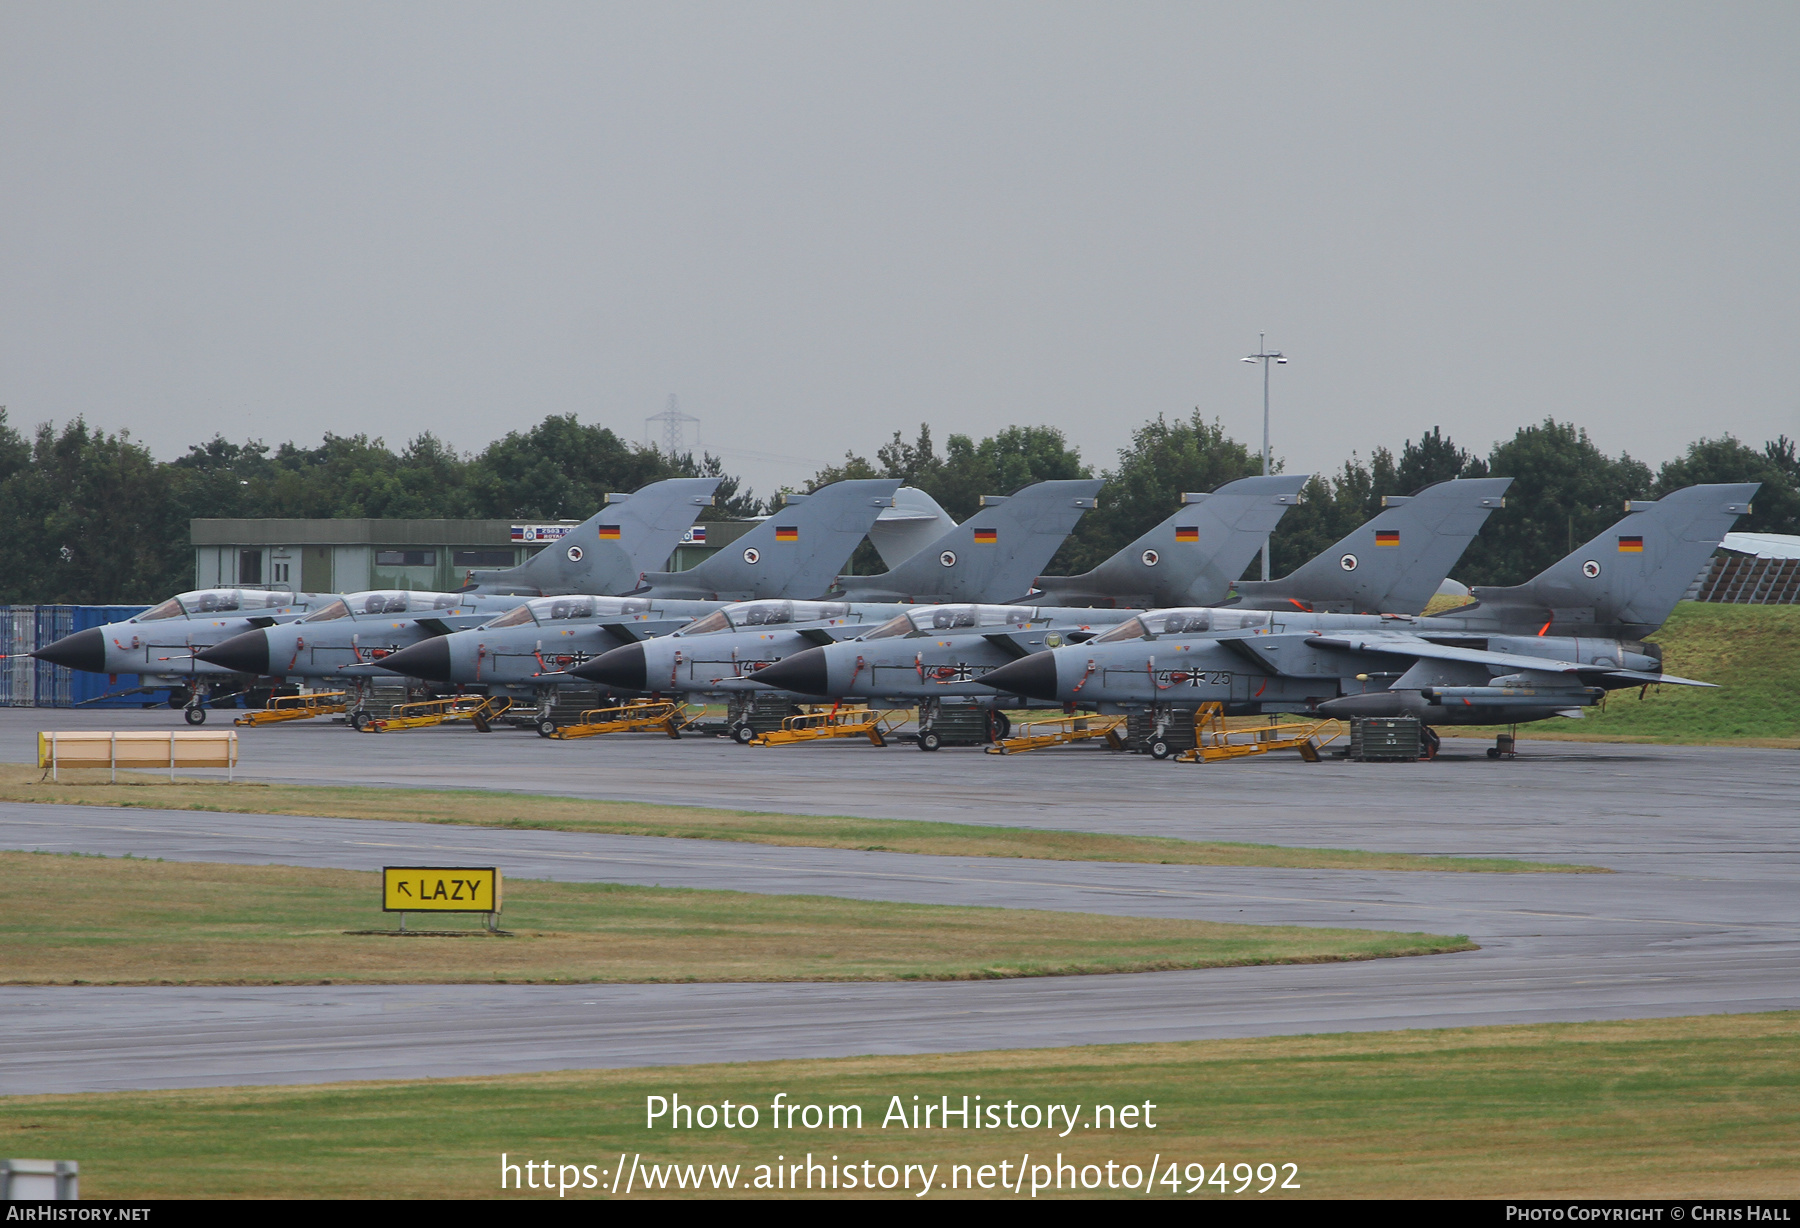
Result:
pixel 1265 356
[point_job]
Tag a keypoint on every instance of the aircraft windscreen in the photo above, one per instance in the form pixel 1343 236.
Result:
pixel 716 621
pixel 898 625
pixel 1130 629
pixel 520 617
pixel 168 609
pixel 337 609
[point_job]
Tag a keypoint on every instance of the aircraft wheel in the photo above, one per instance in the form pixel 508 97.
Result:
pixel 1159 749
pixel 742 734
pixel 1001 725
pixel 929 740
pixel 196 715
pixel 1493 752
pixel 546 727
pixel 358 719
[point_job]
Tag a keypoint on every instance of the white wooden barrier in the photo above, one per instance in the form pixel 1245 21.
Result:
pixel 188 748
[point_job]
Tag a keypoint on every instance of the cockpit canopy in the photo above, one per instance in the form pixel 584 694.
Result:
pixel 1158 623
pixel 927 619
pixel 552 609
pixel 221 601
pixel 742 614
pixel 386 601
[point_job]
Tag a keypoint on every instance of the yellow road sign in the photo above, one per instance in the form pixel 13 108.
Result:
pixel 440 889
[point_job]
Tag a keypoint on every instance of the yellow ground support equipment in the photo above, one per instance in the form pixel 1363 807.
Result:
pixel 835 723
pixel 429 712
pixel 298 708
pixel 1039 734
pixel 1213 741
pixel 638 717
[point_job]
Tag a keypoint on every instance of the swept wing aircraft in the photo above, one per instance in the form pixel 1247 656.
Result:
pixel 161 644
pixel 1551 646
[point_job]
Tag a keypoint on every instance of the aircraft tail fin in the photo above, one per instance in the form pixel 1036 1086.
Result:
pixel 793 553
pixel 606 553
pixel 992 556
pixel 1192 557
pixel 912 524
pixel 1392 563
pixel 1626 581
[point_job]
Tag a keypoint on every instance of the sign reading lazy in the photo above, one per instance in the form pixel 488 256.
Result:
pixel 440 889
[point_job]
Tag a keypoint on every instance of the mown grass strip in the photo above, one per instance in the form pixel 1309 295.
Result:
pixel 479 808
pixel 103 920
pixel 1704 1107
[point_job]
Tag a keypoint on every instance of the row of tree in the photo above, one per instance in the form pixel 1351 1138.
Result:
pixel 1564 491
pixel 94 518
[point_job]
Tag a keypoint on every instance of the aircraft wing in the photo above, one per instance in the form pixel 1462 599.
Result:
pixel 1414 646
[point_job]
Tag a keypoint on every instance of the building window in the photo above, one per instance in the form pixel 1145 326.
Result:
pixel 250 567
pixel 481 558
pixel 280 571
pixel 406 558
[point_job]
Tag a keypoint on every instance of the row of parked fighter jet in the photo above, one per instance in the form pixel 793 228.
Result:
pixel 961 615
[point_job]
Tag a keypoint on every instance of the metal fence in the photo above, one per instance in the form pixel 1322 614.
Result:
pixel 30 683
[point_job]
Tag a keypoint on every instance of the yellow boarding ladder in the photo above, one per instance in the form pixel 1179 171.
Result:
pixel 297 708
pixel 1213 741
pixel 1059 731
pixel 835 722
pixel 636 717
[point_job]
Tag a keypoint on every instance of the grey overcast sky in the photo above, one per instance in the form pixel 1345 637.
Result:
pixel 820 222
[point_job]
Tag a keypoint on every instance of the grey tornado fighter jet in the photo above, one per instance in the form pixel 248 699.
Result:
pixel 162 643
pixel 992 556
pixel 1549 647
pixel 607 552
pixel 799 547
pixel 602 555
pixel 934 663
pixel 335 643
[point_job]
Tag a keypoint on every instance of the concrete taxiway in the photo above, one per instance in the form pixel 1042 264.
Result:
pixel 1701 917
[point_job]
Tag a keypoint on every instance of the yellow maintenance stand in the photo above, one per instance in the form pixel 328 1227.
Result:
pixel 425 712
pixel 1213 741
pixel 298 708
pixel 639 717
pixel 1059 731
pixel 834 722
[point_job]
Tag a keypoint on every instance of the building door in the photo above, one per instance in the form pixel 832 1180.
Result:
pixel 315 569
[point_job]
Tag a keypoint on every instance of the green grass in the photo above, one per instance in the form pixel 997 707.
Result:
pixel 102 920
pixel 1705 1107
pixel 480 808
pixel 1752 653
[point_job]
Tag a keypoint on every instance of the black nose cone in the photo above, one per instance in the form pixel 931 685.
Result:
pixel 804 673
pixel 243 654
pixel 622 668
pixel 1033 677
pixel 85 650
pixel 429 660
